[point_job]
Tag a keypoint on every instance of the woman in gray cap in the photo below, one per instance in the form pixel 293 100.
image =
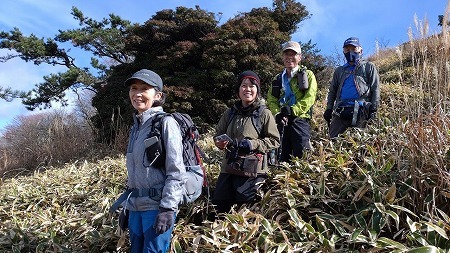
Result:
pixel 155 192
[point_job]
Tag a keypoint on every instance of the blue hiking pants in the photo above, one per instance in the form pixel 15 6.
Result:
pixel 143 238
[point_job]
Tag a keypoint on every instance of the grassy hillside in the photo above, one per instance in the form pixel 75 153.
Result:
pixel 382 189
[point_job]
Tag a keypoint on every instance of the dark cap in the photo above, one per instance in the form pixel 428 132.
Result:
pixel 147 76
pixel 247 74
pixel 292 45
pixel 352 41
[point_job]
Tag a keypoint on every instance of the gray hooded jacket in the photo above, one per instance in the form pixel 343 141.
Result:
pixel 366 80
pixel 170 179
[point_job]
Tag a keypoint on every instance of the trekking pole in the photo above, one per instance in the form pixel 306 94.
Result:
pixel 280 149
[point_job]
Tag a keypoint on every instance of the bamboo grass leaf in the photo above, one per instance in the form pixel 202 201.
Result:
pixel 290 199
pixel 433 227
pixel 394 216
pixel 402 209
pixel 281 247
pixel 299 223
pixel 355 234
pixel 384 242
pixel 268 227
pixel 322 185
pixel 390 195
pixel 412 225
pixel 425 249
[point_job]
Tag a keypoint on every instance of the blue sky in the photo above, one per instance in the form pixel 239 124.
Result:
pixel 331 22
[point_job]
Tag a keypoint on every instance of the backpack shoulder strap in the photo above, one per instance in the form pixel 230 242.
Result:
pixel 365 73
pixel 257 120
pixel 156 128
pixel 302 79
pixel 276 86
pixel 231 114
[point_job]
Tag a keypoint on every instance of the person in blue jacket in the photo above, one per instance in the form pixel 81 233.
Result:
pixel 354 92
pixel 155 192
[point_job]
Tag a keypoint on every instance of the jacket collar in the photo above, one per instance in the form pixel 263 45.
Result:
pixel 244 110
pixel 143 117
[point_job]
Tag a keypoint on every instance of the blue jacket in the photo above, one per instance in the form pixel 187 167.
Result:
pixel 367 84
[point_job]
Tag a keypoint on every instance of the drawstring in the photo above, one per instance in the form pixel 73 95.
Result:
pixel 126 203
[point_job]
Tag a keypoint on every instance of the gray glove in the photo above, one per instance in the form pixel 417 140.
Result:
pixel 123 219
pixel 164 220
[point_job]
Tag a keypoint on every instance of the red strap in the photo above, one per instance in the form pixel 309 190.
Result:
pixel 200 162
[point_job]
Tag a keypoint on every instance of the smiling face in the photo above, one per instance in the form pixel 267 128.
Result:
pixel 248 91
pixel 291 59
pixel 142 95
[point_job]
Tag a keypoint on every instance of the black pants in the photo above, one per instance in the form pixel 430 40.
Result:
pixel 338 125
pixel 233 189
pixel 295 137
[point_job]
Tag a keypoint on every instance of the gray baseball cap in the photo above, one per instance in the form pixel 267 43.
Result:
pixel 147 76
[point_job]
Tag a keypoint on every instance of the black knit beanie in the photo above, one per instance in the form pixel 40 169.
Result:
pixel 247 74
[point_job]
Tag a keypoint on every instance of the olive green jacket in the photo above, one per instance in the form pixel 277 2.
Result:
pixel 240 127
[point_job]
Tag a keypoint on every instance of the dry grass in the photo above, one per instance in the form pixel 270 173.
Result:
pixel 63 209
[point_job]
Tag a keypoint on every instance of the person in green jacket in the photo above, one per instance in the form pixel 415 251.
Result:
pixel 246 132
pixel 291 98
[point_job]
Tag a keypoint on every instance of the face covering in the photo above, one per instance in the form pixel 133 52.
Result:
pixel 352 57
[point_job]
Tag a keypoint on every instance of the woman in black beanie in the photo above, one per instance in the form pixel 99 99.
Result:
pixel 246 132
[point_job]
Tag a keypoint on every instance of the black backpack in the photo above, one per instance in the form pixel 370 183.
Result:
pixel 192 154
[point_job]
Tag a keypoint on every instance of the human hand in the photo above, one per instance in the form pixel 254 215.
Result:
pixel 327 115
pixel 281 119
pixel 244 147
pixel 372 114
pixel 286 111
pixel 123 219
pixel 164 220
pixel 221 144
pixel 221 141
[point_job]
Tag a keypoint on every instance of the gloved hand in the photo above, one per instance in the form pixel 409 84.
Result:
pixel 280 119
pixel 164 220
pixel 123 219
pixel 286 111
pixel 372 114
pixel 232 151
pixel 244 147
pixel 327 115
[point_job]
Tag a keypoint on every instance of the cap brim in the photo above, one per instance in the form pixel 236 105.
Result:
pixel 353 44
pixel 129 81
pixel 291 48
